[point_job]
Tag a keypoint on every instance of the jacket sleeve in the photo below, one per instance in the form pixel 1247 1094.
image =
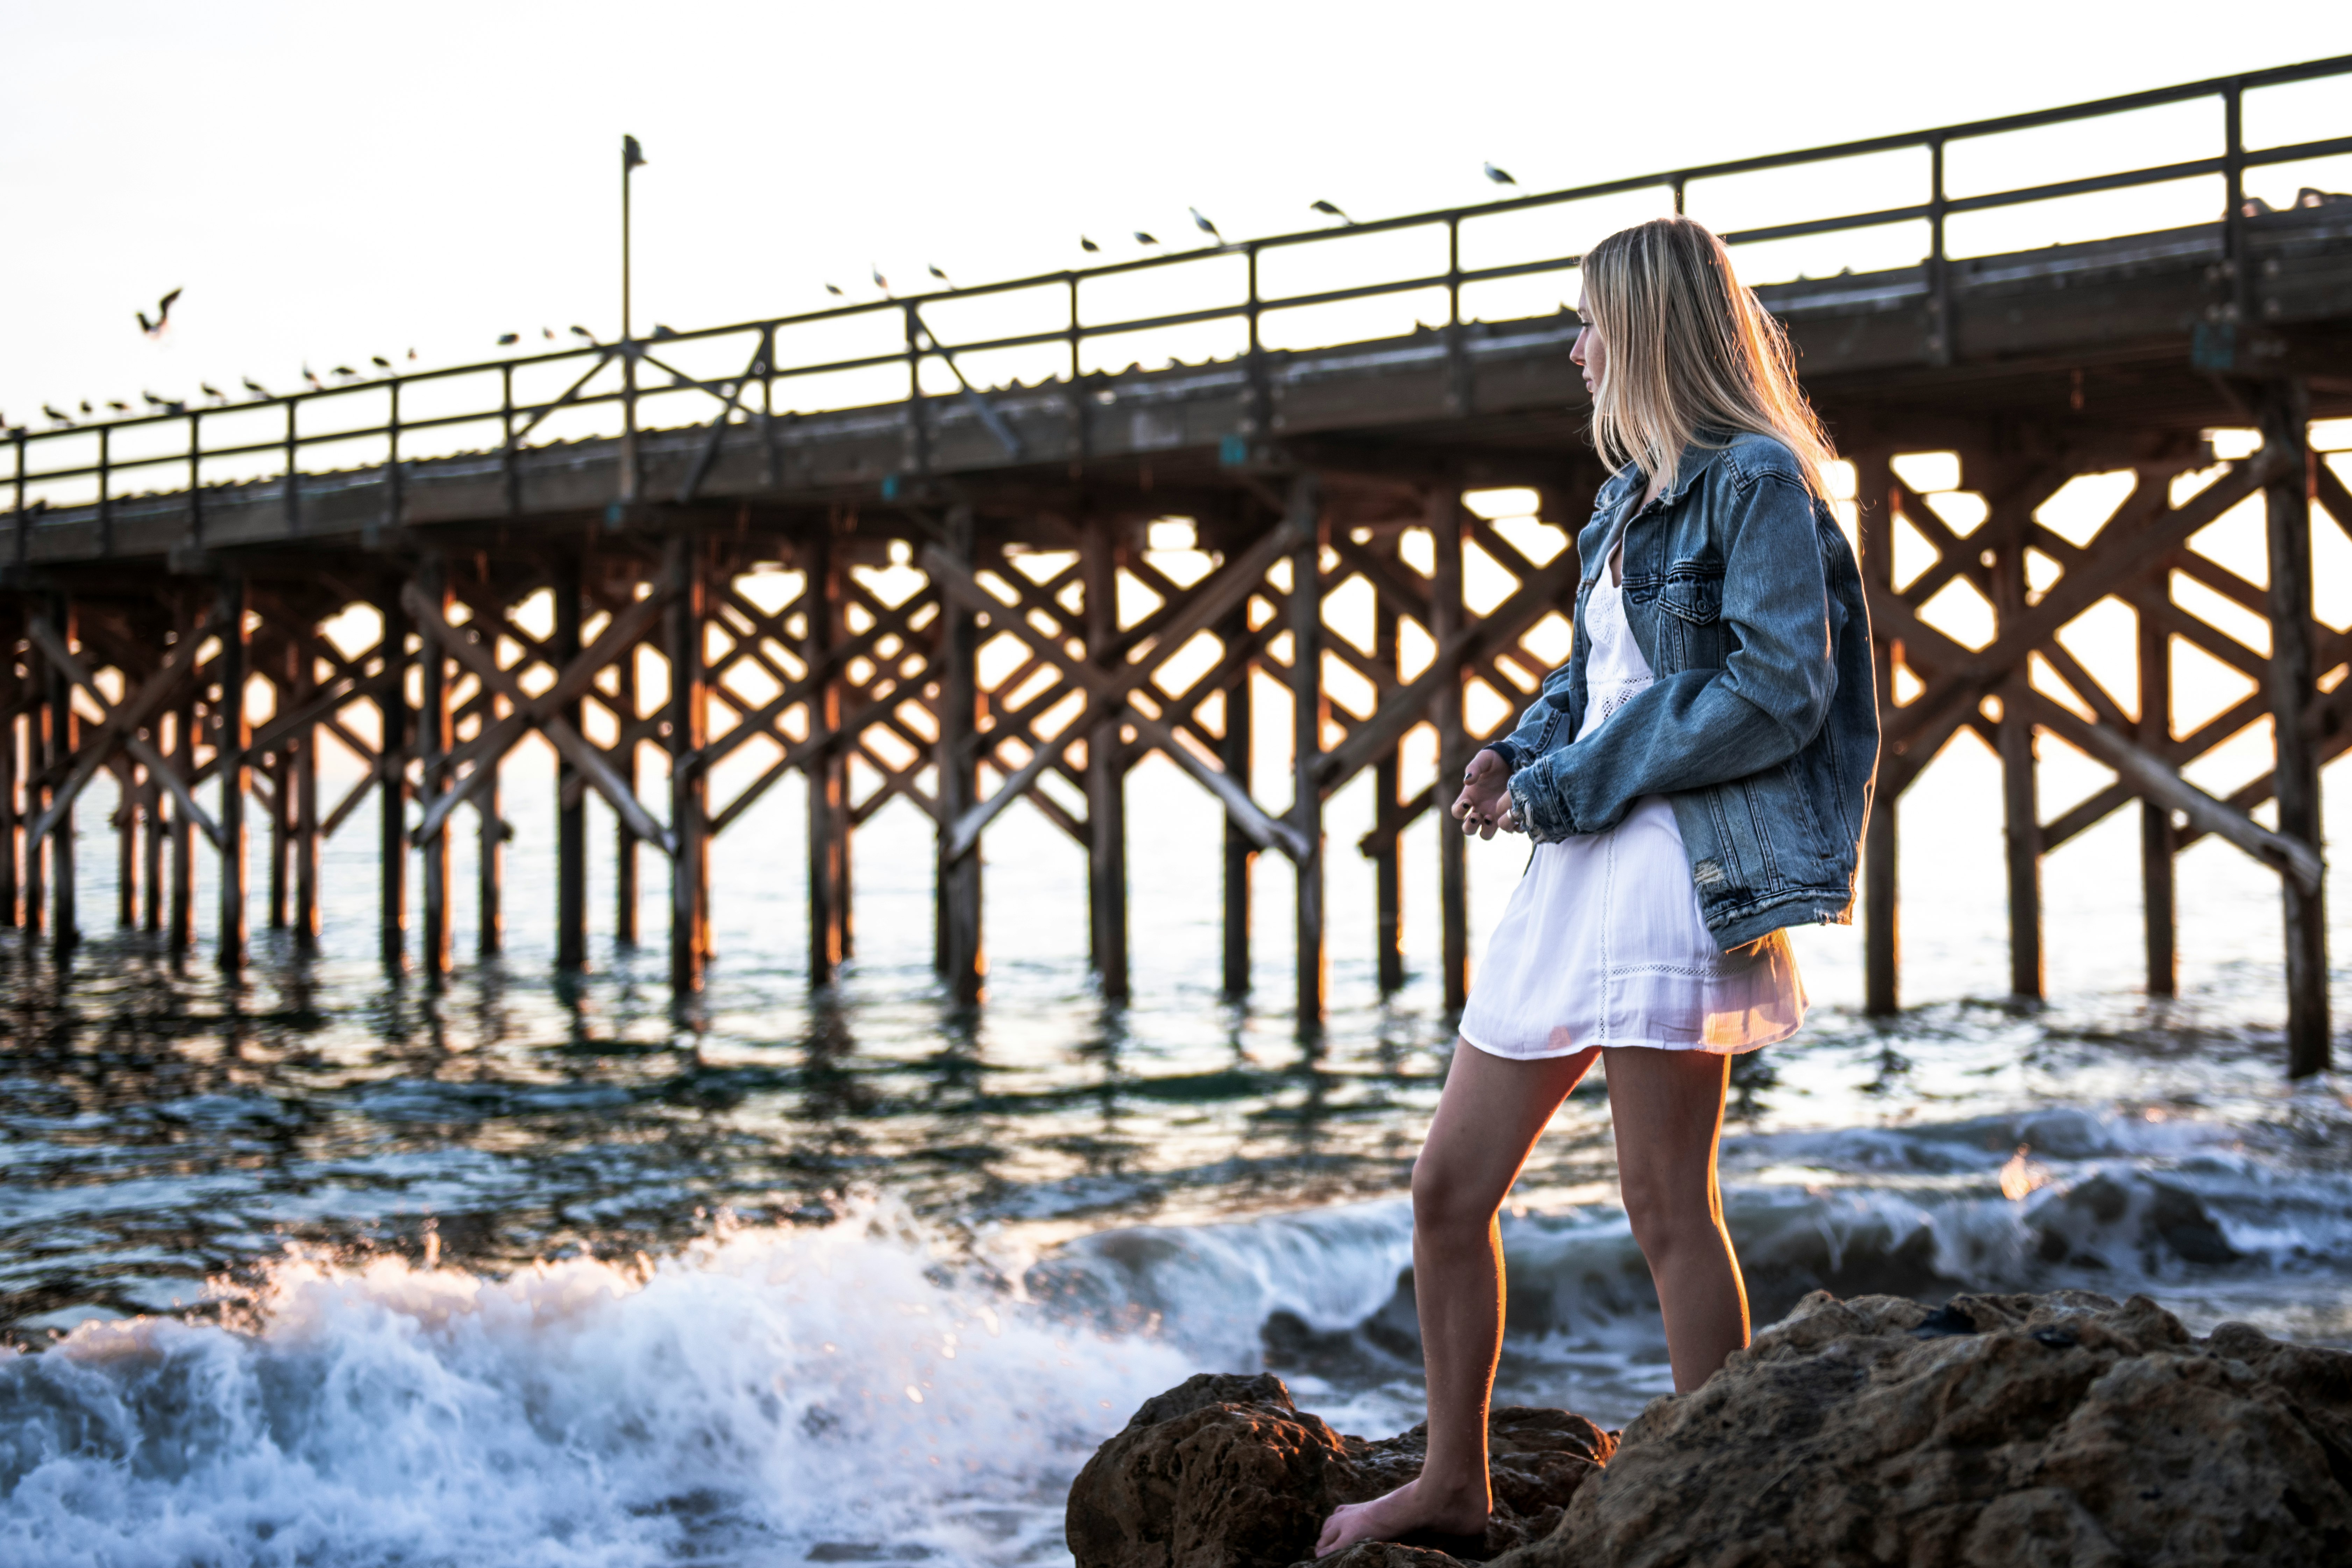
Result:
pixel 1537 724
pixel 1702 727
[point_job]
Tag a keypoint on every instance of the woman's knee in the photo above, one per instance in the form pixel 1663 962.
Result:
pixel 1667 1214
pixel 1447 1202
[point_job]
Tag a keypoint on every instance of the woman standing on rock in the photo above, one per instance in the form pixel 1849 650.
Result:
pixel 1696 779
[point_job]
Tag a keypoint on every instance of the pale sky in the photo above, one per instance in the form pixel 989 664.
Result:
pixel 329 182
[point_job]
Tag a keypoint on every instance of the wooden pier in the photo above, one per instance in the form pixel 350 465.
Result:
pixel 167 578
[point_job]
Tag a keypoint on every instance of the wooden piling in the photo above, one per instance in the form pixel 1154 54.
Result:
pixel 302 778
pixel 822 597
pixel 155 836
pixel 960 954
pixel 1105 771
pixel 37 714
pixel 1309 712
pixel 434 739
pixel 2283 410
pixel 570 788
pixel 624 763
pixel 490 866
pixel 391 778
pixel 126 842
pixel 1388 893
pixel 689 708
pixel 2156 845
pixel 182 934
pixel 65 927
pixel 2006 533
pixel 11 817
pixel 1882 938
pixel 233 664
pixel 1234 756
pixel 1446 524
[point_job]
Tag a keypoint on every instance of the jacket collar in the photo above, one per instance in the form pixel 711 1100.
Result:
pixel 1706 450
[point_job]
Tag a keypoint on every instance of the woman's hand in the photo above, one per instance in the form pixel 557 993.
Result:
pixel 1484 803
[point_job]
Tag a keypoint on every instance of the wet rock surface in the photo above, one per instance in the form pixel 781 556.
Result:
pixel 2011 1430
pixel 1225 1471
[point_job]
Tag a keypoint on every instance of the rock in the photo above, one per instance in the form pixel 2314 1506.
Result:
pixel 1225 1471
pixel 2009 1430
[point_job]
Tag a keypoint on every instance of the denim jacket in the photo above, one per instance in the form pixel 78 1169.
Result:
pixel 1761 728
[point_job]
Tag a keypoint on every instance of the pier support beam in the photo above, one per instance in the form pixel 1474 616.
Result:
pixel 182 934
pixel 1388 892
pixel 1106 771
pixel 1233 757
pixel 690 709
pixel 391 778
pixel 1882 938
pixel 961 958
pixel 233 664
pixel 490 864
pixel 301 776
pixel 624 763
pixel 823 596
pixel 433 739
pixel 570 788
pixel 1446 524
pixel 1309 712
pixel 2156 847
pixel 2006 533
pixel 65 927
pixel 2283 409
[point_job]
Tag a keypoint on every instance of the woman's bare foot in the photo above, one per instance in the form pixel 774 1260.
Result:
pixel 1400 1513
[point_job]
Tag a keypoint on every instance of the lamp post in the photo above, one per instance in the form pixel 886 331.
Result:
pixel 631 156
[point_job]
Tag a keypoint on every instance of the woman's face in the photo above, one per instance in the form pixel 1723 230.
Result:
pixel 1590 353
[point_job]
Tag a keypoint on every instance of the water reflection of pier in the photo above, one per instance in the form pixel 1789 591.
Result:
pixel 860 547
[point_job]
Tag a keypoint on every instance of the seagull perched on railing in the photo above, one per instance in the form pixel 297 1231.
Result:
pixel 508 340
pixel 215 392
pixel 879 281
pixel 312 377
pixel 55 415
pixel 154 329
pixel 836 292
pixel 155 401
pixel 255 387
pixel 1500 176
pixel 1143 239
pixel 1088 246
pixel 86 408
pixel 118 407
pixel 345 372
pixel 582 333
pixel 380 362
pixel 1204 226
pixel 1328 210
pixel 933 268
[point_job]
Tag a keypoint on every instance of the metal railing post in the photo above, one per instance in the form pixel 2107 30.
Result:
pixel 195 475
pixel 919 453
pixel 392 464
pixel 2233 174
pixel 1941 346
pixel 290 494
pixel 506 446
pixel 105 490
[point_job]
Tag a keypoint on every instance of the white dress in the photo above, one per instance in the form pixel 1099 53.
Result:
pixel 1603 943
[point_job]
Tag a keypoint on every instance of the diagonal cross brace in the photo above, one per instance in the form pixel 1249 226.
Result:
pixel 125 734
pixel 1108 692
pixel 544 712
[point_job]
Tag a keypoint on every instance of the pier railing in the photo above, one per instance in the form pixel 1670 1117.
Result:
pixel 887 350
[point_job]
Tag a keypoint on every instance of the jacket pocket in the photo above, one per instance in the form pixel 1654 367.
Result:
pixel 1693 593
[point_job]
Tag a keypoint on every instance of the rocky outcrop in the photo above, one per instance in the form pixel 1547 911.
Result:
pixel 1226 1472
pixel 2009 1430
pixel 2020 1431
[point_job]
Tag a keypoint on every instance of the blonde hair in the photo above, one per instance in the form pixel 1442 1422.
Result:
pixel 1689 349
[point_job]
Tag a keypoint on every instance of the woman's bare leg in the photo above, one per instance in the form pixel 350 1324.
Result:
pixel 1668 1108
pixel 1489 1116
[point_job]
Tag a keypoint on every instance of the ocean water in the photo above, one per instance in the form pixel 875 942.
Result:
pixel 324 1270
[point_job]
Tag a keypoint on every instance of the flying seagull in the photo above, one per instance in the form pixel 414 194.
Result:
pixel 154 329
pixel 1143 239
pixel 1204 226
pixel 508 340
pixel 1088 246
pixel 1500 176
pixel 255 387
pixel 1328 210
